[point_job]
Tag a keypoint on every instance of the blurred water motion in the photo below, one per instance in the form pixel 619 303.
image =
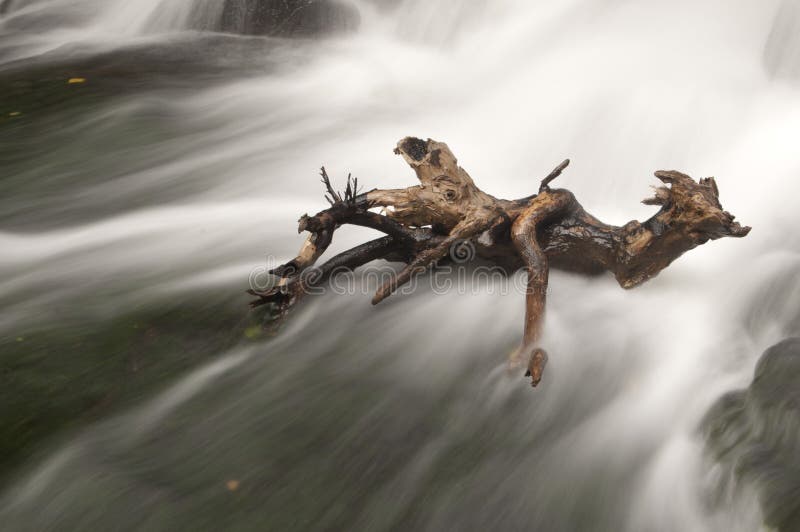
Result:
pixel 185 159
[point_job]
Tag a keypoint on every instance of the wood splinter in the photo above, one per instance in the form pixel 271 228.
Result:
pixel 422 223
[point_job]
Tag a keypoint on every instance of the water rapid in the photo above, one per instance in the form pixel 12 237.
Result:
pixel 185 163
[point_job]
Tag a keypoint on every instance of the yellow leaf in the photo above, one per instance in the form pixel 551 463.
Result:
pixel 15 113
pixel 253 332
pixel 73 81
pixel 232 485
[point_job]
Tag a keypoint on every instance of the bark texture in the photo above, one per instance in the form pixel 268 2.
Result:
pixel 550 229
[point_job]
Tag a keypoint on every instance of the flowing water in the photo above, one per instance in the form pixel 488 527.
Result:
pixel 181 164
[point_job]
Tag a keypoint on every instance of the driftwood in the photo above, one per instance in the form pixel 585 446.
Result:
pixel 549 229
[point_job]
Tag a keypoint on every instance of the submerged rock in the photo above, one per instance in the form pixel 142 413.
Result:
pixel 289 18
pixel 754 434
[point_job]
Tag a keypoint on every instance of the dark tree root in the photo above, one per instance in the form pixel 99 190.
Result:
pixel 550 229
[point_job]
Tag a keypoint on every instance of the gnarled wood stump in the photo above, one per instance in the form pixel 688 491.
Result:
pixel 548 229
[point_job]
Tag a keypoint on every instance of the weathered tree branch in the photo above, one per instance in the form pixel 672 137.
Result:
pixel 549 229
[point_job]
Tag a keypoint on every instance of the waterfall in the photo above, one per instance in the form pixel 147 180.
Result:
pixel 161 16
pixel 181 164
